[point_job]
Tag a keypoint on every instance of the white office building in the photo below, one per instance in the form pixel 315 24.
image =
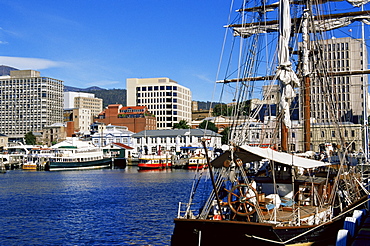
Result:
pixel 29 102
pixel 165 98
pixel 343 56
pixel 83 100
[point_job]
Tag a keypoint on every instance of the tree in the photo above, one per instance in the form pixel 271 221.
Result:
pixel 208 125
pixel 221 109
pixel 183 124
pixel 30 138
pixel 243 108
pixel 225 135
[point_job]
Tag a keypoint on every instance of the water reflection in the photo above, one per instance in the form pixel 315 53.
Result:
pixel 97 207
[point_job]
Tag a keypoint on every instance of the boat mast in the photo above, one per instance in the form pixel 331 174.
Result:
pixel 306 86
pixel 288 78
pixel 365 93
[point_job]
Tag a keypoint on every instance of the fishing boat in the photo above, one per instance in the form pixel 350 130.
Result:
pixel 280 183
pixel 152 162
pixel 74 154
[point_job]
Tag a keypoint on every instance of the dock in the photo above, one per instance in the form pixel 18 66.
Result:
pixel 363 235
pixel 356 229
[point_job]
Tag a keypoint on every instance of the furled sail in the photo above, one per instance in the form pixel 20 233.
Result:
pixel 324 24
pixel 358 3
pixel 285 73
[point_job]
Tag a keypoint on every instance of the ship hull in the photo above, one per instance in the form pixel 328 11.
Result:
pixel 208 232
pixel 153 166
pixel 225 232
pixel 94 164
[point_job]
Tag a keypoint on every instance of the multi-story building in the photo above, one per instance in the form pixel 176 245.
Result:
pixel 81 118
pixel 112 134
pixel 54 133
pixel 85 101
pixel 29 102
pixel 136 118
pixel 341 55
pixel 165 98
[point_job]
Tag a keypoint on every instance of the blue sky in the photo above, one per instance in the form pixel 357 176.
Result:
pixel 102 43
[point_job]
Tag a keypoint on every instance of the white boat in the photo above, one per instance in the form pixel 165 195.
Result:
pixel 74 154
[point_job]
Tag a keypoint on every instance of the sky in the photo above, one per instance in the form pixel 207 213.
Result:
pixel 102 43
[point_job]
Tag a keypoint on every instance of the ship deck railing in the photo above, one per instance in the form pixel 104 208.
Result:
pixel 184 210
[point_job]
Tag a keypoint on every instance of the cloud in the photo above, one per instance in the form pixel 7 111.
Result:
pixel 204 78
pixel 29 63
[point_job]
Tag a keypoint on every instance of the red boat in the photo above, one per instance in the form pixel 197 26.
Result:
pixel 196 163
pixel 154 162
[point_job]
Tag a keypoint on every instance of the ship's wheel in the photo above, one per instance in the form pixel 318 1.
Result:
pixel 241 199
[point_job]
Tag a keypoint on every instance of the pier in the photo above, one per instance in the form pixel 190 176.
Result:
pixel 356 229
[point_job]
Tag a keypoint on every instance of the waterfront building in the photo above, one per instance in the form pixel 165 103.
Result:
pixel 169 101
pixel 221 122
pixel 264 134
pixel 172 141
pixel 54 133
pixel 83 100
pixel 29 102
pixel 112 134
pixel 136 118
pixel 81 118
pixel 329 134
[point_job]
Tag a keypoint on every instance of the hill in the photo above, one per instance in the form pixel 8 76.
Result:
pixel 5 70
pixel 111 96
pixel 206 105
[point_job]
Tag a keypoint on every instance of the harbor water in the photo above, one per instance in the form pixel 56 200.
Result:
pixel 91 207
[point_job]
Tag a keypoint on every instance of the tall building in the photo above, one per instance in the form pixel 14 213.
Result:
pixel 341 55
pixel 84 101
pixel 165 98
pixel 29 102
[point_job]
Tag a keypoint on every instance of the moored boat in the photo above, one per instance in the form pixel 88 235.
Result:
pixel 196 163
pixel 149 162
pixel 257 194
pixel 74 154
pixel 29 166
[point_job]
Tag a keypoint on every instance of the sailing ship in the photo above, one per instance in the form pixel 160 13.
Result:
pixel 260 191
